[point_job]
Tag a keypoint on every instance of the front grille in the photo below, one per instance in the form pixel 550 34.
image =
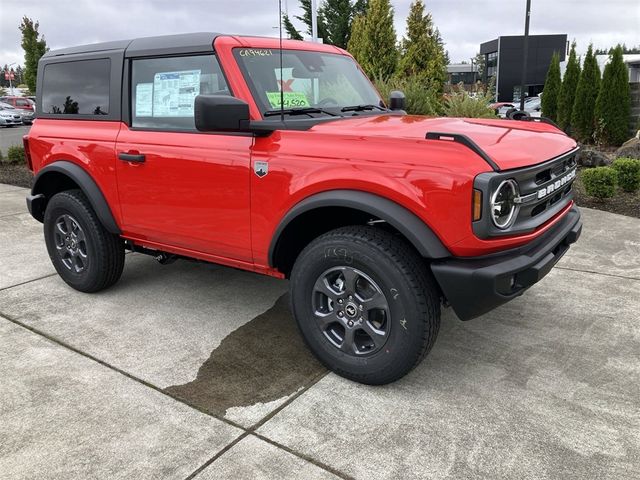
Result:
pixel 545 189
pixel 555 175
pixel 556 169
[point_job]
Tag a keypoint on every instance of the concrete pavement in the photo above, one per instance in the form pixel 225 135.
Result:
pixel 196 371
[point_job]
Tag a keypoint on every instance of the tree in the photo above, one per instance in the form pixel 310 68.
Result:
pixel 306 19
pixel 19 75
pixel 335 20
pixel 376 45
pixel 625 50
pixel 480 61
pixel 568 90
pixel 613 105
pixel 422 49
pixel 357 39
pixel 3 82
pixel 337 17
pixel 34 47
pixel 360 7
pixel 582 117
pixel 552 86
pixel 440 43
pixel 292 32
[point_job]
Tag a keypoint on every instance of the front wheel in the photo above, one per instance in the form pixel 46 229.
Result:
pixel 365 303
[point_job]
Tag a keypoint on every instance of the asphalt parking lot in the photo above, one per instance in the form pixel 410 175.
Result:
pixel 10 136
pixel 196 371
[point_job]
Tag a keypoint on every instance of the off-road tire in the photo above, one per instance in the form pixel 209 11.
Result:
pixel 402 277
pixel 104 250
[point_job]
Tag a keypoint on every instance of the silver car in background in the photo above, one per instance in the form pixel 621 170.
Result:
pixel 10 116
pixel 532 105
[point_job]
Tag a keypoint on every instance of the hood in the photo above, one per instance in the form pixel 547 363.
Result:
pixel 509 143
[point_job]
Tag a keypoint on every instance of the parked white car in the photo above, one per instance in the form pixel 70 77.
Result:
pixel 532 106
pixel 9 116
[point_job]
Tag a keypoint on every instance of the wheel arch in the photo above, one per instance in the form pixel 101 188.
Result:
pixel 64 175
pixel 312 217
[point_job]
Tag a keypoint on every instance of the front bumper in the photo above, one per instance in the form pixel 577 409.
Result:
pixel 477 285
pixel 11 121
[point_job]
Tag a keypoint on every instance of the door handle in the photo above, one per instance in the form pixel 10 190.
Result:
pixel 131 157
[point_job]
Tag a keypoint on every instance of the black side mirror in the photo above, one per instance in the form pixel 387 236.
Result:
pixel 396 100
pixel 221 113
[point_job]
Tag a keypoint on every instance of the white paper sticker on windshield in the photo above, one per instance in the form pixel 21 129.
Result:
pixel 144 96
pixel 175 92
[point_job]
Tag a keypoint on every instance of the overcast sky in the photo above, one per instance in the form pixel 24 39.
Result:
pixel 464 24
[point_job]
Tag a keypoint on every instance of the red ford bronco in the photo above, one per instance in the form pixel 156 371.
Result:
pixel 287 162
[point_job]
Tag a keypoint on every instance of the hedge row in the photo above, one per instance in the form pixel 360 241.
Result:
pixel 601 182
pixel 15 155
pixel 628 170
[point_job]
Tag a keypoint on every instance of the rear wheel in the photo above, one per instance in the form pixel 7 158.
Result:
pixel 83 252
pixel 365 304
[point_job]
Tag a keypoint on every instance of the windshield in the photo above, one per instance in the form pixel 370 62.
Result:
pixel 312 82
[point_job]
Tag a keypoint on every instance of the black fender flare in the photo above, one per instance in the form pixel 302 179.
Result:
pixel 406 222
pixel 88 186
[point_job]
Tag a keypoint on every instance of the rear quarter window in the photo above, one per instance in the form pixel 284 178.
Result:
pixel 76 88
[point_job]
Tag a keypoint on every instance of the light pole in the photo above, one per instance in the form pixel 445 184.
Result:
pixel 525 54
pixel 9 73
pixel 473 72
pixel 314 21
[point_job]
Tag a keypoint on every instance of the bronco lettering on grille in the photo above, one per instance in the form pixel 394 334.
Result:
pixel 552 187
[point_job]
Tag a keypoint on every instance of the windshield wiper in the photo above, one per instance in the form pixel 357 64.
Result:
pixel 360 108
pixel 299 111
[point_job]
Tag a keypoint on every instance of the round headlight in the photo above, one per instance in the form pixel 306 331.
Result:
pixel 503 206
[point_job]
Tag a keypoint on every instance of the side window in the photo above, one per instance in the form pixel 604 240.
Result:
pixel 163 90
pixel 77 88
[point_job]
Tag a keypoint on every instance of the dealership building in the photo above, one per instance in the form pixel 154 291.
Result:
pixel 464 73
pixel 503 60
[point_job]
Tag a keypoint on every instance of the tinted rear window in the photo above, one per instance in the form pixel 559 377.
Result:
pixel 77 88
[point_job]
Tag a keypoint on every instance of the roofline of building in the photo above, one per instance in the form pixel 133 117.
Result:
pixel 530 36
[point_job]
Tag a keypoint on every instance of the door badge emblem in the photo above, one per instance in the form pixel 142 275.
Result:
pixel 261 169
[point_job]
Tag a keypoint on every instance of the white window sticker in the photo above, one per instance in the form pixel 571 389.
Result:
pixel 144 96
pixel 175 92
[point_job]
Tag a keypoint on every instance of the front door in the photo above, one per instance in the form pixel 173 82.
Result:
pixel 177 186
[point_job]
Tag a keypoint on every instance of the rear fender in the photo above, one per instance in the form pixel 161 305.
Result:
pixel 59 176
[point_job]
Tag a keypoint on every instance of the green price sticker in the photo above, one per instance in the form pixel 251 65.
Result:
pixel 291 99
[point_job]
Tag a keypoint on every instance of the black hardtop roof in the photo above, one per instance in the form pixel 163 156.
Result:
pixel 147 46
